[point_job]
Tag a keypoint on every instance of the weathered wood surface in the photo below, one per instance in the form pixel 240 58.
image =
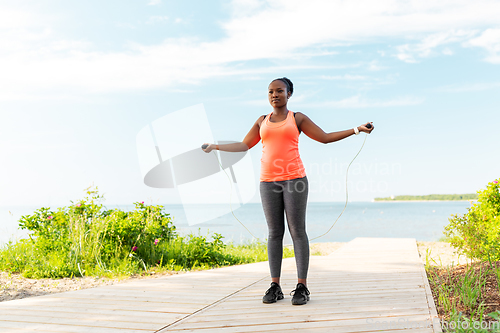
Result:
pixel 370 284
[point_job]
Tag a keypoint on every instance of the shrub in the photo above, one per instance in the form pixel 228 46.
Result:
pixel 477 233
pixel 88 239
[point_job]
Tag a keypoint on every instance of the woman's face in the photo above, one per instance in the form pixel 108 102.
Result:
pixel 278 94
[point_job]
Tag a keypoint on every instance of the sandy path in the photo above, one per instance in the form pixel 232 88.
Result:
pixel 440 254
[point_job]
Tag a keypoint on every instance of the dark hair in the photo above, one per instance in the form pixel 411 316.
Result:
pixel 287 82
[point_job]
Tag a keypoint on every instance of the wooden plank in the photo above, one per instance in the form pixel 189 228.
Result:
pixel 78 322
pixel 78 307
pixel 117 299
pixel 14 327
pixel 345 329
pixel 380 299
pixel 319 313
pixel 393 284
pixel 338 308
pixel 321 293
pixel 98 317
pixel 124 307
pixel 144 315
pixel 122 303
pixel 286 306
pixel 280 325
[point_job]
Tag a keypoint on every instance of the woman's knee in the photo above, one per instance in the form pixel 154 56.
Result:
pixel 298 234
pixel 276 235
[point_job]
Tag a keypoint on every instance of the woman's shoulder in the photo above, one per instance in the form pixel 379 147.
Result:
pixel 261 119
pixel 299 116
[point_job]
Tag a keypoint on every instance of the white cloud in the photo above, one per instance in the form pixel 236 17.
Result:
pixel 35 60
pixel 425 48
pixel 347 77
pixel 125 25
pixel 374 66
pixel 246 7
pixel 316 21
pixel 13 19
pixel 359 102
pixel 447 51
pixel 156 19
pixel 154 2
pixel 353 102
pixel 480 86
pixel 358 82
pixel 489 40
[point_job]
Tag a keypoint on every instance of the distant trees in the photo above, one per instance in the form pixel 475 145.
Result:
pixel 472 196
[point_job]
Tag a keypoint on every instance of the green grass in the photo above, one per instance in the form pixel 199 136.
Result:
pixel 459 297
pixel 181 254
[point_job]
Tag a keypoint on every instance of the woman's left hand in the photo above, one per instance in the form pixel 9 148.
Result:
pixel 210 147
pixel 365 129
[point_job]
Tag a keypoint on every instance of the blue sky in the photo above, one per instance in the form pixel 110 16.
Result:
pixel 80 79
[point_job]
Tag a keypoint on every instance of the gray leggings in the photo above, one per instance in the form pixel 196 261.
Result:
pixel 289 196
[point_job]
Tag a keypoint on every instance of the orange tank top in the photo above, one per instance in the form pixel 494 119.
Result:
pixel 280 150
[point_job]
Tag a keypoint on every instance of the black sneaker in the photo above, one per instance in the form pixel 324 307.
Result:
pixel 300 295
pixel 273 294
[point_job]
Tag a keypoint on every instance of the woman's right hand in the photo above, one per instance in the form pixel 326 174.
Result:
pixel 365 129
pixel 209 148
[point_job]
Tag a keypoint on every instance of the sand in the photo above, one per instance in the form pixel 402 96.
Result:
pixel 440 254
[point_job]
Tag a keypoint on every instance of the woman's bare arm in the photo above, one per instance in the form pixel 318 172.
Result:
pixel 250 140
pixel 316 133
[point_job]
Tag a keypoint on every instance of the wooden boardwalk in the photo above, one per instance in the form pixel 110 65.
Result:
pixel 369 285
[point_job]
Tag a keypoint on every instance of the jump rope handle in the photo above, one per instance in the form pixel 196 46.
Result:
pixel 205 146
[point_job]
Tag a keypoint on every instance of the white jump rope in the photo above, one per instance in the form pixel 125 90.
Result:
pixel 346 192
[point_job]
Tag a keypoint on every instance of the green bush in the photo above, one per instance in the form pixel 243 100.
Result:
pixel 477 233
pixel 88 239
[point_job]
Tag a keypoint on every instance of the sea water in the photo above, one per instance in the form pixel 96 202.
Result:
pixel 423 221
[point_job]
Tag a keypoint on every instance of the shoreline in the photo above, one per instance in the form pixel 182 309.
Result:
pixel 422 200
